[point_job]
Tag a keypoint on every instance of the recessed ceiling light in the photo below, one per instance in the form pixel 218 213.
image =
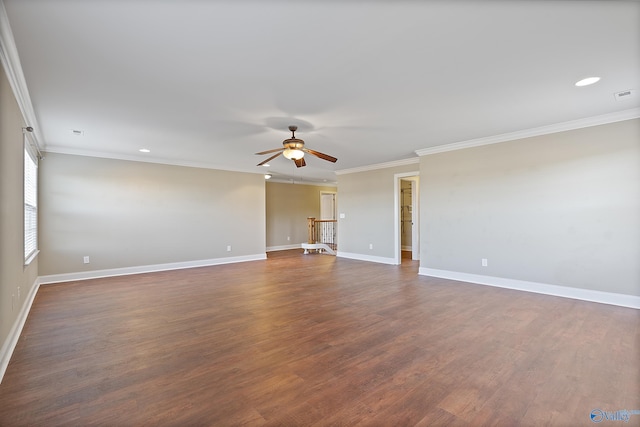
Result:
pixel 267 176
pixel 588 81
pixel 144 150
pixel 76 132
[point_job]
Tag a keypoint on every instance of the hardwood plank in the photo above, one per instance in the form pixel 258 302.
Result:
pixel 302 340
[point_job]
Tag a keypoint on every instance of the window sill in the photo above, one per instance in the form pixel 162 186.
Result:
pixel 33 256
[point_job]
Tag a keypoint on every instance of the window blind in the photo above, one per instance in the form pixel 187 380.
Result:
pixel 30 205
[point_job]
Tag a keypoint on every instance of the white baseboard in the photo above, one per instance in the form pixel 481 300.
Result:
pixel 14 334
pixel 283 247
pixel 95 274
pixel 630 301
pixel 370 258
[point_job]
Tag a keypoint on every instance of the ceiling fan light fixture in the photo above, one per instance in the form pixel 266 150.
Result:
pixel 294 150
pixel 293 154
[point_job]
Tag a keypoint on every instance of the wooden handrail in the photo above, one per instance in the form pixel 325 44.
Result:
pixel 319 230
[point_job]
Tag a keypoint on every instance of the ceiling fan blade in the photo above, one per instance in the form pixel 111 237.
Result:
pixel 300 162
pixel 270 158
pixel 271 151
pixel 321 155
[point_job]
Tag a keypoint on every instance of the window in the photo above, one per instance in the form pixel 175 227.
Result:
pixel 30 206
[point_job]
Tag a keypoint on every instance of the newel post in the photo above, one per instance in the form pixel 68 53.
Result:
pixel 312 230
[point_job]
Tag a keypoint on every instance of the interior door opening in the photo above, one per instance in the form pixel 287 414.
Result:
pixel 407 216
pixel 327 205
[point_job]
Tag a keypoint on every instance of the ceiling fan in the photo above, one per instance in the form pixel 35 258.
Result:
pixel 294 149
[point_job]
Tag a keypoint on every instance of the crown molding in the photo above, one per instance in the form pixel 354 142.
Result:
pixel 301 182
pixel 604 119
pixel 403 162
pixel 13 69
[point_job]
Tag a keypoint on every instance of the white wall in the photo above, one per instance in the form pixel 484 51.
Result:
pixel 560 209
pixel 125 214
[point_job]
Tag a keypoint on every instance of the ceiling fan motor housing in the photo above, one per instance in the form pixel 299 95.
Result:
pixel 293 143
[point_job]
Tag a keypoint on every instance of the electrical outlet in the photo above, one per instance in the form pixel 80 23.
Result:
pixel 370 245
pixel 86 259
pixel 484 262
pixel 229 248
pixel 288 238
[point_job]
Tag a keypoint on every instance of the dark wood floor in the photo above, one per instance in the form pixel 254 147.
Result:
pixel 301 340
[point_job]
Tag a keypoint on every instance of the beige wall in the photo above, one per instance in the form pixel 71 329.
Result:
pixel 560 209
pixel 288 207
pixel 367 199
pixel 126 214
pixel 15 278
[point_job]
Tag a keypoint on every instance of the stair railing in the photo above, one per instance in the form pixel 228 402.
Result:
pixel 322 231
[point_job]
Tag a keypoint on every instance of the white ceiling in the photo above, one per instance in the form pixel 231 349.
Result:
pixel 210 83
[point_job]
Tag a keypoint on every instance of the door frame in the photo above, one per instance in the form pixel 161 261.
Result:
pixel 335 203
pixel 415 204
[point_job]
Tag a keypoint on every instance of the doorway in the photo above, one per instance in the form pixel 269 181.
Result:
pixel 407 235
pixel 327 205
pixel 328 213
